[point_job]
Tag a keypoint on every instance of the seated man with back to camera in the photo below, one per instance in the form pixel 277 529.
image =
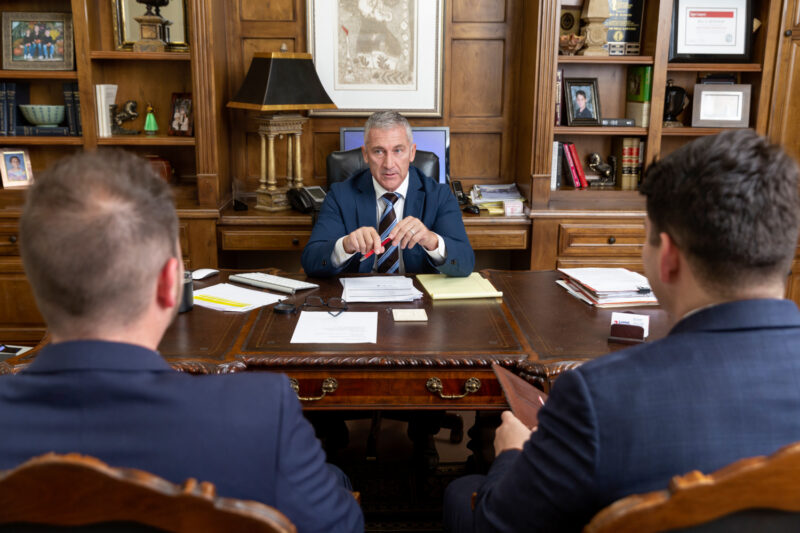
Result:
pixel 99 243
pixel 721 233
pixel 420 217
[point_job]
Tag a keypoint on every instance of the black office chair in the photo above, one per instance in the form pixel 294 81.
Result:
pixel 342 165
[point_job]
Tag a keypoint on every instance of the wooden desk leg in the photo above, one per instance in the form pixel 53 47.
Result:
pixel 481 441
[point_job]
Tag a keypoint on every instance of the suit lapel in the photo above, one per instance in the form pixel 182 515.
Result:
pixel 366 210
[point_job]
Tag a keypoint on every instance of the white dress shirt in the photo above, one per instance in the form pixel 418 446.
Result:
pixel 438 255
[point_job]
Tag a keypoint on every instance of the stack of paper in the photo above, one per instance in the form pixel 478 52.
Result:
pixel 442 287
pixel 607 287
pixel 227 297
pixel 379 289
pixel 482 194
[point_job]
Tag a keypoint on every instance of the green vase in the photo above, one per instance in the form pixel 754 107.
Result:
pixel 150 125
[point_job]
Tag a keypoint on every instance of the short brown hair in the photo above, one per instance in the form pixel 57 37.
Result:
pixel 731 204
pixel 96 229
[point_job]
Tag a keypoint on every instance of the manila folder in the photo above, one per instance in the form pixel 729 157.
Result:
pixel 524 399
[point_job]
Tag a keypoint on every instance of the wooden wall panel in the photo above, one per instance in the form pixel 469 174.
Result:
pixel 479 10
pixel 477 83
pixel 277 10
pixel 481 49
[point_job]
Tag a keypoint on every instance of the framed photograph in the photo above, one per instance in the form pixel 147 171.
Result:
pixel 126 29
pixel 377 55
pixel 181 120
pixel 15 168
pixel 721 106
pixel 711 31
pixel 583 102
pixel 37 41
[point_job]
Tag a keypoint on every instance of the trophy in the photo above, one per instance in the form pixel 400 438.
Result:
pixel 675 101
pixel 152 27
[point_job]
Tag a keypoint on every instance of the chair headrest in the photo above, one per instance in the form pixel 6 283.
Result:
pixel 342 165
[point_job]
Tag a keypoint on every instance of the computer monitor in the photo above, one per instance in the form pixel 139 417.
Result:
pixel 431 139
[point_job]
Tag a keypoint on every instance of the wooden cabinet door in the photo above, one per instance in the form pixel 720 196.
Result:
pixel 784 125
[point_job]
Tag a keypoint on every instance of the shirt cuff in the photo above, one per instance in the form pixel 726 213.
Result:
pixel 339 256
pixel 438 255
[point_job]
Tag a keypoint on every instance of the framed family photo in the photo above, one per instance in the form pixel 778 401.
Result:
pixel 721 106
pixel 37 41
pixel 126 29
pixel 583 102
pixel 378 55
pixel 15 168
pixel 181 120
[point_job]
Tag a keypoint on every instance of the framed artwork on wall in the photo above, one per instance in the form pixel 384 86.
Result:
pixel 378 55
pixel 15 168
pixel 37 41
pixel 126 29
pixel 583 102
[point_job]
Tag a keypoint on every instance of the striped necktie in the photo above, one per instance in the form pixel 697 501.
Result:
pixel 389 260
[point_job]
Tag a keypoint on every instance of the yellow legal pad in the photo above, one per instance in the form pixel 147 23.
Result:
pixel 441 287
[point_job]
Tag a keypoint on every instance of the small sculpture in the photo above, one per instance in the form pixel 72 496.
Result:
pixel 604 170
pixel 157 4
pixel 150 125
pixel 119 117
pixel 569 44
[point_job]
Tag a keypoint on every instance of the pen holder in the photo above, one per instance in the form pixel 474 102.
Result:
pixel 187 297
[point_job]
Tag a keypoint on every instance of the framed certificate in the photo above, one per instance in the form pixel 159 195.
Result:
pixel 711 31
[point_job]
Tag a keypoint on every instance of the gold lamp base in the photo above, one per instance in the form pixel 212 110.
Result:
pixel 272 200
pixel 151 28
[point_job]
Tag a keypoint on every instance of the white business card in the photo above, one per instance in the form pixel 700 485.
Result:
pixel 409 315
pixel 631 319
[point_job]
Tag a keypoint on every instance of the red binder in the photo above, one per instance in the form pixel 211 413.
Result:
pixel 578 166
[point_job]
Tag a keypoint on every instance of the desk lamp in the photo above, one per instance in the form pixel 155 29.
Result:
pixel 280 81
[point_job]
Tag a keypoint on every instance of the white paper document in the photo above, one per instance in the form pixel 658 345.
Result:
pixel 379 289
pixel 227 297
pixel 346 328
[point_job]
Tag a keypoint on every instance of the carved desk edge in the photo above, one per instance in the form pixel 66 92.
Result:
pixel 542 374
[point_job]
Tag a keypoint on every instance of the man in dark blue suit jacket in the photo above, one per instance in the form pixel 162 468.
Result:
pixel 722 227
pixel 99 241
pixel 430 231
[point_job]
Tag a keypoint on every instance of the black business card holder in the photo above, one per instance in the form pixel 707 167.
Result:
pixel 626 334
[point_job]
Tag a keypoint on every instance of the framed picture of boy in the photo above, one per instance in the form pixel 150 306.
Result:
pixel 15 168
pixel 583 104
pixel 37 41
pixel 181 121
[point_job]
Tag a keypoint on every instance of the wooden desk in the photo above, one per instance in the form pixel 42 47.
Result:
pixel 536 327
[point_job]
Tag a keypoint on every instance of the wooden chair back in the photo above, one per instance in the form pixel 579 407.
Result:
pixel 76 490
pixel 750 494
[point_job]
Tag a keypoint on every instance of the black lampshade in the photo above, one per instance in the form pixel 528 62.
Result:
pixel 281 81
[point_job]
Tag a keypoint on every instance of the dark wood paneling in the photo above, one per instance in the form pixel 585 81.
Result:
pixel 324 144
pixel 278 10
pixel 477 88
pixel 479 10
pixel 475 155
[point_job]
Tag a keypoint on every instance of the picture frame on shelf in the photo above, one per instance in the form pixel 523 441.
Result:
pixel 126 29
pixel 721 106
pixel 181 122
pixel 37 41
pixel 15 168
pixel 711 31
pixel 366 56
pixel 582 101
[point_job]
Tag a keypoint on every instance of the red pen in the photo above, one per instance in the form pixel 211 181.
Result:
pixel 369 254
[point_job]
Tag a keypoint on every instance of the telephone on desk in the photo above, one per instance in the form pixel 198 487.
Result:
pixel 306 199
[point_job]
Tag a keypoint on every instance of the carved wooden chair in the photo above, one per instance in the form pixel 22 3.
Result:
pixel 76 490
pixel 754 494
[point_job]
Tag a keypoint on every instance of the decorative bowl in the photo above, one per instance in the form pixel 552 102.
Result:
pixel 43 115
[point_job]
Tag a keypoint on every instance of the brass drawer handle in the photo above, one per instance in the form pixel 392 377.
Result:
pixel 434 386
pixel 329 386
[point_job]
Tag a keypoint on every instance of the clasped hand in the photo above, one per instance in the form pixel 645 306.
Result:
pixel 409 232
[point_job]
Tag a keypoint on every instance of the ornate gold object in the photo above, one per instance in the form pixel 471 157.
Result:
pixel 329 386
pixel 434 386
pixel 270 197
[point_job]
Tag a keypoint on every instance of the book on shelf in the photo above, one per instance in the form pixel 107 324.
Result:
pixel 640 165
pixel 42 131
pixel 17 94
pixel 69 107
pixel 559 94
pixel 626 150
pixel 639 92
pixel 555 166
pixel 76 101
pixel 576 160
pixel 106 94
pixel 3 111
pixel 569 169
pixel 625 27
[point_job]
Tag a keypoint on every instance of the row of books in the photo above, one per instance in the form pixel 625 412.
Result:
pixel 12 122
pixel 105 96
pixel 567 169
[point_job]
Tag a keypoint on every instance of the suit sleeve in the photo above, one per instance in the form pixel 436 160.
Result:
pixel 550 484
pixel 460 259
pixel 308 492
pixel 316 258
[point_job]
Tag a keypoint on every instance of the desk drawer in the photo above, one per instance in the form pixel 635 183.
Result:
pixel 9 238
pixel 254 239
pixel 395 389
pixel 600 240
pixel 497 238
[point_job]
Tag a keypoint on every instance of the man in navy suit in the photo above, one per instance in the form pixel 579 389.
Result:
pixel 429 231
pixel 99 242
pixel 722 227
